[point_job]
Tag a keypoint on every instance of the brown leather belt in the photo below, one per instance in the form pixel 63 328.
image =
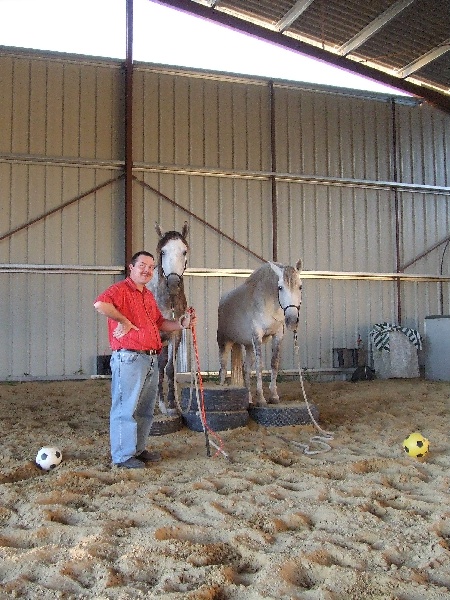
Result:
pixel 148 352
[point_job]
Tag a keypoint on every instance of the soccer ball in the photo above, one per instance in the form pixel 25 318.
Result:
pixel 416 445
pixel 48 458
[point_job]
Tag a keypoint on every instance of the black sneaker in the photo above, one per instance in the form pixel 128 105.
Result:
pixel 131 463
pixel 147 456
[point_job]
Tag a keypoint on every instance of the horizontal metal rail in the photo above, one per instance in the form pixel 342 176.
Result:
pixel 61 161
pixel 205 272
pixel 341 275
pixel 313 179
pixel 293 178
pixel 61 269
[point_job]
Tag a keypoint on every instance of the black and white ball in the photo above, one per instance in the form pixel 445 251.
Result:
pixel 48 458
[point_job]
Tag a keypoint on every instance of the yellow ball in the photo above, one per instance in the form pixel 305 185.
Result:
pixel 416 445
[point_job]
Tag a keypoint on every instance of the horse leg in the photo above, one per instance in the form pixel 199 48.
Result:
pixel 162 362
pixel 248 364
pixel 224 349
pixel 274 365
pixel 257 348
pixel 171 374
pixel 237 377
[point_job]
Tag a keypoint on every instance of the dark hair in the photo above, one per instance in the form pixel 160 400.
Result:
pixel 136 255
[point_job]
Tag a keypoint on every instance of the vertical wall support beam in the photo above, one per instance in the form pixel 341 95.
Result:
pixel 396 208
pixel 273 156
pixel 129 136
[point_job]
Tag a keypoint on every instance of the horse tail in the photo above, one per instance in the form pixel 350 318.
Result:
pixel 237 371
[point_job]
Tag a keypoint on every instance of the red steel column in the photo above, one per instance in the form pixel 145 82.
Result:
pixel 273 181
pixel 129 137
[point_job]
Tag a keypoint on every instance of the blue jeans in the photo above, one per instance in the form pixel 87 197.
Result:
pixel 134 388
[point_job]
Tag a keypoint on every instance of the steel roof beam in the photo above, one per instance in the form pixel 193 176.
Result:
pixel 299 7
pixel 423 60
pixel 240 24
pixel 360 38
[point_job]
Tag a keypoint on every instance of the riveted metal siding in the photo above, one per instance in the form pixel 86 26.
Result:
pixel 87 231
pixel 200 122
pixel 55 108
pixel 326 135
pixel 55 113
pixel 202 153
pixel 49 326
pixel 423 141
pixel 336 228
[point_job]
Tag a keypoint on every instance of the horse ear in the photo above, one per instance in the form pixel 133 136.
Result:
pixel 276 269
pixel 185 229
pixel 298 266
pixel 158 230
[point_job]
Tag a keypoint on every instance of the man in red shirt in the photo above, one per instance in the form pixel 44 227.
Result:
pixel 134 323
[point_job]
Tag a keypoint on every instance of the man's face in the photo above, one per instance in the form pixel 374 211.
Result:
pixel 142 271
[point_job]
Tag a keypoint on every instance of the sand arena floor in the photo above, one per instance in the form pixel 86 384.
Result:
pixel 362 521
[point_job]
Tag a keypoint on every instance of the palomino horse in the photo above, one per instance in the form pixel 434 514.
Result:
pixel 168 289
pixel 267 302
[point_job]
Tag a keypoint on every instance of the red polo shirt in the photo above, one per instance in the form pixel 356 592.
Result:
pixel 141 309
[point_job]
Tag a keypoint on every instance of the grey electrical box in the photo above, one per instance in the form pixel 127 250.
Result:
pixel 437 347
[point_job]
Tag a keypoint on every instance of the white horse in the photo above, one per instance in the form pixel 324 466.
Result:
pixel 259 309
pixel 168 289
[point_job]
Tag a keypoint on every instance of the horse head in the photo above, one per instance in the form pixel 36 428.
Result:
pixel 289 292
pixel 172 250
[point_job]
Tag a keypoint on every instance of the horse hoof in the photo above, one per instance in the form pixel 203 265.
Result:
pixel 274 400
pixel 259 403
pixel 162 408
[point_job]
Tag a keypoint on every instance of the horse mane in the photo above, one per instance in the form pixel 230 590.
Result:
pixel 263 270
pixel 266 270
pixel 288 274
pixel 265 275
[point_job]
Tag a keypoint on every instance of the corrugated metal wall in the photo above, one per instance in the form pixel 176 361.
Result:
pixel 204 148
pixel 61 137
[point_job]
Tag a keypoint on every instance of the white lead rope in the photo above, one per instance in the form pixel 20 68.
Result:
pixel 325 436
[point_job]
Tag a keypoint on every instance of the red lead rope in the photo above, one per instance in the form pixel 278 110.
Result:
pixel 208 431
